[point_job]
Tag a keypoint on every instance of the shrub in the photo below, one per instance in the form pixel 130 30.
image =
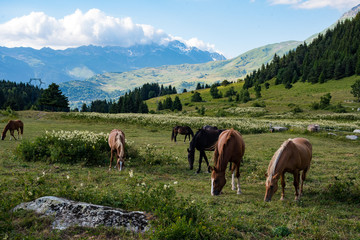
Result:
pixel 343 190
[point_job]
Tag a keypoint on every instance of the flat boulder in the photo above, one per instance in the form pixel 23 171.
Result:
pixel 356 131
pixel 69 213
pixel 352 137
pixel 278 129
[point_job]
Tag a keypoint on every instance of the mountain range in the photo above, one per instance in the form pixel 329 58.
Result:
pixel 91 72
pixel 20 64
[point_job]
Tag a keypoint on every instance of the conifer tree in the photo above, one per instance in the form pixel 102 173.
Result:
pixel 52 99
pixel 177 104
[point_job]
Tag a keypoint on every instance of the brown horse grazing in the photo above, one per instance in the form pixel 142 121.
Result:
pixel 12 126
pixel 293 156
pixel 183 130
pixel 229 148
pixel 117 144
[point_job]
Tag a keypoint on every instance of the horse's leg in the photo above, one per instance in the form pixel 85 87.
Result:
pixel 283 186
pixel 206 160
pixel 237 168
pixel 296 184
pixel 185 137
pixel 175 136
pixel 200 160
pixel 303 176
pixel 12 134
pixel 111 159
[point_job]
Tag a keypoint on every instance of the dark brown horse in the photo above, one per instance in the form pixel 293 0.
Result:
pixel 12 126
pixel 183 130
pixel 203 140
pixel 117 144
pixel 229 148
pixel 293 156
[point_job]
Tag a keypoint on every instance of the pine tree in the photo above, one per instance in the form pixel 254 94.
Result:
pixel 196 97
pixel 52 99
pixel 177 104
pixel 214 92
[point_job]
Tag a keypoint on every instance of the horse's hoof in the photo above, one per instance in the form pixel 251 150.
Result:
pixel 233 188
pixel 282 199
pixel 239 192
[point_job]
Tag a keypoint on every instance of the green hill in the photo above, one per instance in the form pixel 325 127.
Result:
pixel 274 100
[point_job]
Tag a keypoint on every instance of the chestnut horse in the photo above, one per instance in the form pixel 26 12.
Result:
pixel 12 126
pixel 229 148
pixel 117 144
pixel 183 130
pixel 293 156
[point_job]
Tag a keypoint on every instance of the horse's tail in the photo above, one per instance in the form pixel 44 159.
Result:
pixel 172 133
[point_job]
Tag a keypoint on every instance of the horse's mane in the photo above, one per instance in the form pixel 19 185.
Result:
pixel 278 153
pixel 193 141
pixel 221 150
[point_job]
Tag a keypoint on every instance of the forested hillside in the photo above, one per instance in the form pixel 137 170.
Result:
pixel 334 55
pixel 18 96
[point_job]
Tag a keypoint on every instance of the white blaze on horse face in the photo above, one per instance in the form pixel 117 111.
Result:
pixel 212 186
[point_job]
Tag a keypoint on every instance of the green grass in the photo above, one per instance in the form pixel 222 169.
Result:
pixel 277 99
pixel 329 208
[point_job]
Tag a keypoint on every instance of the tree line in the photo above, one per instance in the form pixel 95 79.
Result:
pixel 24 96
pixel 333 55
pixel 133 101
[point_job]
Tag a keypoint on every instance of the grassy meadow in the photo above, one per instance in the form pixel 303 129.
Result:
pixel 277 99
pixel 180 200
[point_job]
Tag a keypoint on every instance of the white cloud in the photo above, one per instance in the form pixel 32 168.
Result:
pixel 311 4
pixel 94 27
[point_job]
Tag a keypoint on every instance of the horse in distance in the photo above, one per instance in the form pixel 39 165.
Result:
pixel 13 125
pixel 183 130
pixel 229 148
pixel 293 156
pixel 117 145
pixel 203 140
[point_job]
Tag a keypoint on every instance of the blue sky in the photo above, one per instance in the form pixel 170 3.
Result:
pixel 229 26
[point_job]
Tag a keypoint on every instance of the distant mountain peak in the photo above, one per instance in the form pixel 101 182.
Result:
pixel 351 13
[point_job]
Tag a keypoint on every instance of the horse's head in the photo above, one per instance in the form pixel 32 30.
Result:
pixel 191 156
pixel 3 136
pixel 218 181
pixel 271 187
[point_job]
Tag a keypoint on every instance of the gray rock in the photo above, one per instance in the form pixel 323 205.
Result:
pixel 352 137
pixel 313 128
pixel 277 129
pixel 356 131
pixel 69 213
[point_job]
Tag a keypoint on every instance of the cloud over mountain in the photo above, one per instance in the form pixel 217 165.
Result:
pixel 310 4
pixel 94 27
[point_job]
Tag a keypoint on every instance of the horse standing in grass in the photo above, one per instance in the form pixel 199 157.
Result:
pixel 293 156
pixel 183 130
pixel 13 125
pixel 204 140
pixel 229 148
pixel 117 145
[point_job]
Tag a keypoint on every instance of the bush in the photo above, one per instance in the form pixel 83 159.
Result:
pixel 343 190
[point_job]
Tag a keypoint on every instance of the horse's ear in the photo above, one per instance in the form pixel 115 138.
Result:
pixel 212 168
pixel 188 150
pixel 266 175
